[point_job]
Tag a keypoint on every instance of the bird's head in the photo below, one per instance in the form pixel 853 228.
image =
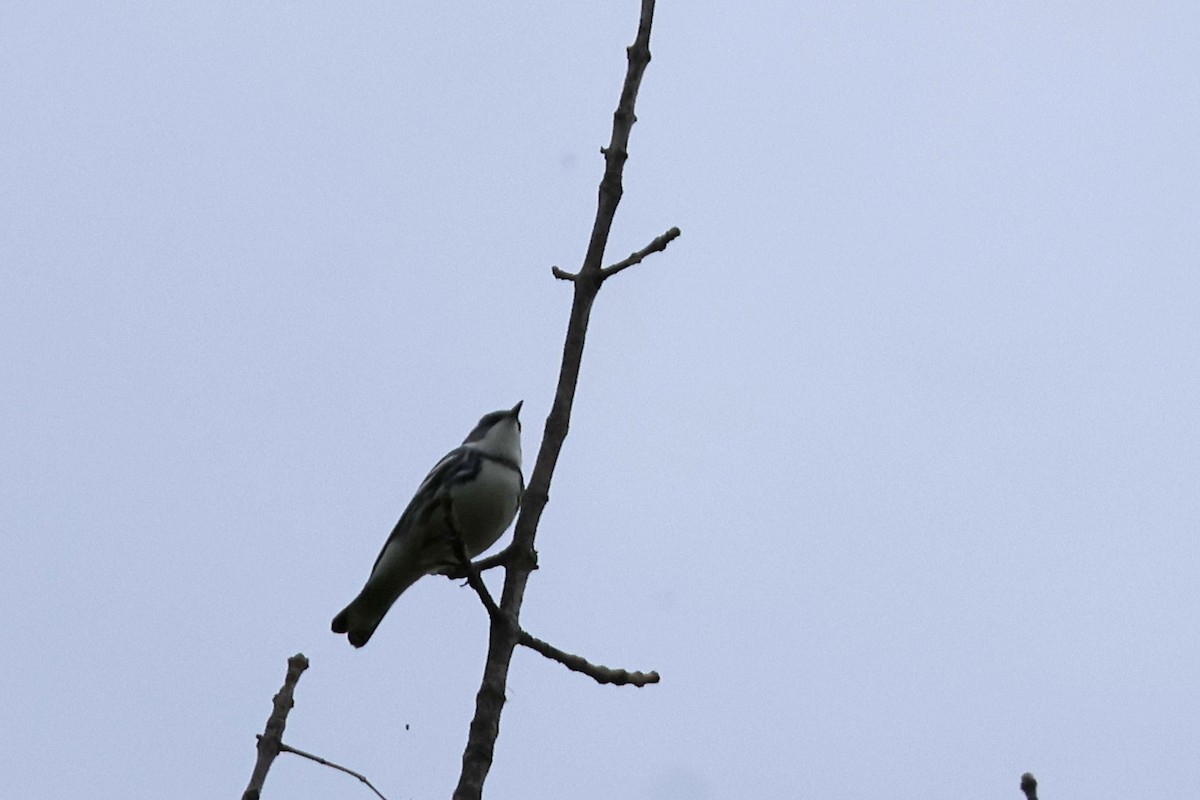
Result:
pixel 498 434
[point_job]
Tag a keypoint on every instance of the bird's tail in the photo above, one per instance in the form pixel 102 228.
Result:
pixel 360 619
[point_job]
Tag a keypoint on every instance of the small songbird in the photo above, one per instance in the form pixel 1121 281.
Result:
pixel 482 484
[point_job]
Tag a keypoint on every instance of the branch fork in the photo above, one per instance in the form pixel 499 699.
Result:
pixel 270 741
pixel 597 672
pixel 657 246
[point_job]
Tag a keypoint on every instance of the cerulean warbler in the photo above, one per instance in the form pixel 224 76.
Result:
pixel 480 484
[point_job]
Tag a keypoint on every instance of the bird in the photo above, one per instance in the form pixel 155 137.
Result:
pixel 480 484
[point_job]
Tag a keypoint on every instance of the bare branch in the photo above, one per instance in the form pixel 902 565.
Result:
pixel 563 275
pixel 270 742
pixel 504 633
pixel 657 246
pixel 283 748
pixel 597 672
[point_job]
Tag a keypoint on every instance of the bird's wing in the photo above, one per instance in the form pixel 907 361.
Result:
pixel 460 464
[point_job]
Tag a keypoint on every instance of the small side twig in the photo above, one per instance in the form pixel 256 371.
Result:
pixel 656 246
pixel 1029 786
pixel 597 672
pixel 504 558
pixel 270 741
pixel 283 748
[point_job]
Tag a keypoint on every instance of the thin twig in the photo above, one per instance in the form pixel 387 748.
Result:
pixel 502 559
pixel 597 672
pixel 283 748
pixel 657 246
pixel 270 741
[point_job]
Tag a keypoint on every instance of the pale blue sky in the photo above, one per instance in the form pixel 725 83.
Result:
pixel 890 464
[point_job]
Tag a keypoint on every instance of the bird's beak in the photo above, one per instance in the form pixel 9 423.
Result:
pixel 516 410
